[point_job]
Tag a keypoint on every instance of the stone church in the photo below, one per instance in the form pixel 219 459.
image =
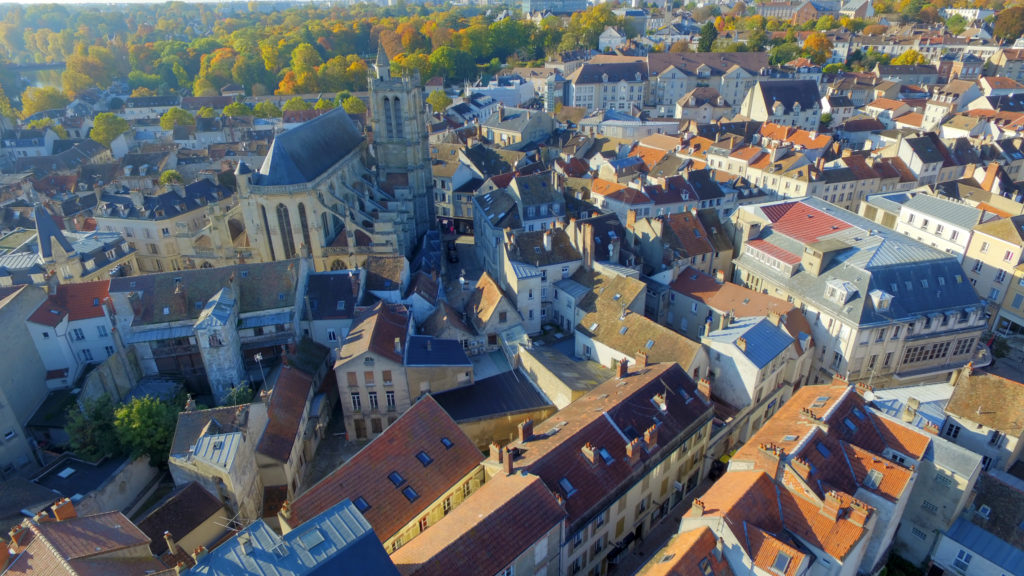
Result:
pixel 324 192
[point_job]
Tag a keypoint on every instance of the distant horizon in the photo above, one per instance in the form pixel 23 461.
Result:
pixel 119 2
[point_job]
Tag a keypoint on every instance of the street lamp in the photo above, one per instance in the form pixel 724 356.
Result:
pixel 259 360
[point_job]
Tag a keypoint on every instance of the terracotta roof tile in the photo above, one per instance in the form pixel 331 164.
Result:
pixel 683 554
pixel 605 187
pixel 375 331
pixel 742 302
pixel 422 428
pixel 288 402
pixel 487 532
pixel 77 301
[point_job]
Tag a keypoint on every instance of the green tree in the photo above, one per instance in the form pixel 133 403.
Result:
pixel 43 123
pixel 439 101
pixel 176 117
pixel 1009 24
pixel 826 119
pixel 266 109
pixel 241 394
pixel 171 177
pixel 296 103
pixel 323 105
pixel 353 105
pixel 237 110
pixel 5 105
pixel 35 100
pixel 205 112
pixel 956 24
pixel 106 126
pixel 91 429
pixel 145 427
pixel 708 35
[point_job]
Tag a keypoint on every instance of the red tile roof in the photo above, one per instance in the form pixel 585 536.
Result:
pixel 802 222
pixel 727 297
pixel 685 233
pixel 77 301
pixel 422 428
pixel 288 402
pixel 491 528
pixel 774 251
pixel 375 331
pixel 684 553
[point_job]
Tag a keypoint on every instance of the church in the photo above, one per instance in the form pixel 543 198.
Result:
pixel 326 193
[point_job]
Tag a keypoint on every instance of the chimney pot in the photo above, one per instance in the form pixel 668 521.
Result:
pixel 526 430
pixel 63 510
pixel 622 370
pixel 199 553
pixel 172 547
pixel 588 452
pixel 496 452
pixel 509 464
pixel 698 507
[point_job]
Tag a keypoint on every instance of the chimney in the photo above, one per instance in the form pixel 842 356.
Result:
pixel 398 346
pixel 630 219
pixel 704 387
pixel 720 276
pixel 495 452
pixel 697 507
pixel 63 510
pixel 633 450
pixel 180 568
pixel 641 360
pixel 651 435
pixel 510 465
pixel 18 535
pixel 831 505
pixel 801 467
pixel 547 240
pixel 286 510
pixel 659 401
pixel 526 430
pixel 199 553
pixel 588 452
pixel 41 517
pixel 859 513
pixel 172 547
pixel 770 459
pixel 741 343
pixel 5 555
pixel 622 369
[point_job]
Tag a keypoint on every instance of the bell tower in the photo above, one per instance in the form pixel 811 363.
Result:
pixel 398 118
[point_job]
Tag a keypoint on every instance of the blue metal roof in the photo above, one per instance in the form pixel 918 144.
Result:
pixel 338 541
pixel 987 546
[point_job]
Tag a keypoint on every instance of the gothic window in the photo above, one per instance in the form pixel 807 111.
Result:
pixel 304 224
pixel 387 118
pixel 215 341
pixel 397 113
pixel 326 228
pixel 266 231
pixel 284 225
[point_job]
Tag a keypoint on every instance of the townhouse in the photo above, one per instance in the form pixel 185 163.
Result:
pixel 991 261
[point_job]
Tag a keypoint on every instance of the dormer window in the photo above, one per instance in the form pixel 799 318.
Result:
pixel 839 291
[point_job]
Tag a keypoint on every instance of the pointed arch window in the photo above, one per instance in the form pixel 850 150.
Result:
pixel 397 113
pixel 304 225
pixel 387 118
pixel 284 225
pixel 266 231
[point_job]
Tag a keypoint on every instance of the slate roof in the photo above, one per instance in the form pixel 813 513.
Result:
pixel 634 333
pixel 789 92
pixel 287 404
pixel 430 351
pixel 375 330
pixel 493 527
pixel 762 340
pixel 719 63
pixel 957 214
pixel 999 538
pixel 48 232
pixel 305 152
pixel 170 204
pixel 1010 229
pixel 384 273
pixel 590 73
pixel 332 295
pixel 181 512
pixel 422 428
pixel 194 424
pixel 505 393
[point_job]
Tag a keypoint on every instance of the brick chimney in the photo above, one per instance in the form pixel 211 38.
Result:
pixel 659 401
pixel 770 459
pixel 509 464
pixel 526 430
pixel 704 387
pixel 5 555
pixel 181 568
pixel 633 450
pixel 622 370
pixel 19 535
pixel 651 435
pixel 801 467
pixel 41 517
pixel 741 343
pixel 547 240
pixel 831 506
pixel 859 513
pixel 697 507
pixel 286 510
pixel 63 510
pixel 641 360
pixel 495 452
pixel 199 553
pixel 588 452
pixel 172 546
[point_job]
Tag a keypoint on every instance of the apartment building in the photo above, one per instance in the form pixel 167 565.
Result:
pixel 941 223
pixel 983 415
pixel 607 86
pixel 884 308
pixel 786 102
pixel 991 261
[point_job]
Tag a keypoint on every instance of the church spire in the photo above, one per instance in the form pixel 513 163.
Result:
pixel 382 67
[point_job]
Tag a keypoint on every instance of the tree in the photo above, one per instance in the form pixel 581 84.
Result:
pixel 107 126
pixel 956 24
pixel 35 100
pixel 145 427
pixel 171 177
pixel 353 105
pixel 176 117
pixel 296 103
pixel 237 110
pixel 833 68
pixel 826 119
pixel 909 57
pixel 91 429
pixel 1009 24
pixel 44 123
pixel 205 112
pixel 266 109
pixel 818 47
pixel 680 47
pixel 439 101
pixel 241 394
pixel 323 105
pixel 708 34
pixel 783 53
pixel 875 29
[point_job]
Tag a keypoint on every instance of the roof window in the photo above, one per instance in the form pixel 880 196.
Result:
pixel 396 479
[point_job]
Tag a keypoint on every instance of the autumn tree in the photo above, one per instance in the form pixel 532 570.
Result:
pixel 35 99
pixel 818 47
pixel 206 112
pixel 439 101
pixel 910 57
pixel 1009 24
pixel 680 47
pixel 323 105
pixel 353 105
pixel 106 126
pixel 176 117
pixel 708 34
pixel 171 177
pixel 48 123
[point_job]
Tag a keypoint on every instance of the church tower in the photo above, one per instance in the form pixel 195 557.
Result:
pixel 398 117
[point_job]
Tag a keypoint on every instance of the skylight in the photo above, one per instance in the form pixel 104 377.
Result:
pixel 361 504
pixel 623 329
pixel 873 479
pixel 424 458
pixel 781 563
pixel 410 494
pixel 858 414
pixel 567 487
pixel 820 401
pixel 849 424
pixel 396 479
pixel 606 456
pixel 823 450
pixel 650 344
pixel 311 539
pixel 446 442
pixel 790 438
